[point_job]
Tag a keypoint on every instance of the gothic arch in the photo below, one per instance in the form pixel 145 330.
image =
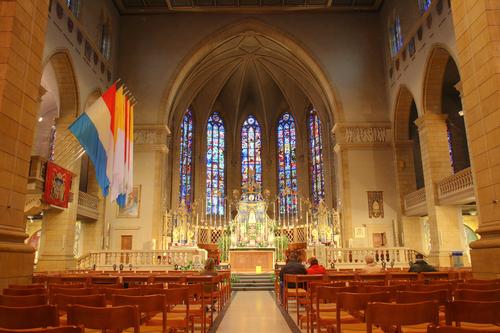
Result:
pixel 199 67
pixel 434 78
pixel 67 84
pixel 404 100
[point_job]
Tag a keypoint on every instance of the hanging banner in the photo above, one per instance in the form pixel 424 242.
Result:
pixel 57 185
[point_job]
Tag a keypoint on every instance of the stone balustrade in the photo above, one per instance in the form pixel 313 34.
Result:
pixel 88 206
pixel 415 203
pixel 457 188
pixel 143 259
pixel 396 257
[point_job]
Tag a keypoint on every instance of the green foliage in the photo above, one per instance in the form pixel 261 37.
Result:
pixel 223 245
pixel 281 244
pixel 234 279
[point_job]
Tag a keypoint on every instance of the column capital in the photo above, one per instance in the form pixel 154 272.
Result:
pixel 429 119
pixel 151 137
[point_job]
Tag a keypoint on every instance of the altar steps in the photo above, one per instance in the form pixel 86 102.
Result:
pixel 243 282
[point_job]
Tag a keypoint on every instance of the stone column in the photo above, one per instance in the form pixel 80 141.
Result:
pixel 58 225
pixel 22 38
pixel 477 32
pixel 411 227
pixel 446 229
pixel 152 139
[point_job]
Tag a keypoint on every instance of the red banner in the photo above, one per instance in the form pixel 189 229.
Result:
pixel 57 185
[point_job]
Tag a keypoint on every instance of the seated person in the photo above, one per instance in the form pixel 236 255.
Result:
pixel 315 267
pixel 371 265
pixel 293 266
pixel 421 265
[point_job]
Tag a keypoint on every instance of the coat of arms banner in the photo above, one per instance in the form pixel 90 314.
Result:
pixel 57 185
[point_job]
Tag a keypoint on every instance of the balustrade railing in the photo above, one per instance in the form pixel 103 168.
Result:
pixel 460 184
pixel 88 205
pixel 415 202
pixel 135 259
pixel 355 257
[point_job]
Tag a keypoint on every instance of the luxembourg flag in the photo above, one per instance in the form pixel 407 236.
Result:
pixel 94 129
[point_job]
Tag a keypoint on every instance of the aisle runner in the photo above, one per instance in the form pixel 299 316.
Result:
pixel 253 311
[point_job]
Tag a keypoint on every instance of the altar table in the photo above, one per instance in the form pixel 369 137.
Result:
pixel 246 260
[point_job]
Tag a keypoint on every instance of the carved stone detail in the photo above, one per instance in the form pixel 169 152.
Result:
pixel 151 137
pixel 362 134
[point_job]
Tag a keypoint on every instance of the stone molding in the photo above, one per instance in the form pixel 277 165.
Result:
pixel 363 135
pixel 151 137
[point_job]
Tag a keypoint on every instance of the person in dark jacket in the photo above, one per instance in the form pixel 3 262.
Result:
pixel 421 265
pixel 293 266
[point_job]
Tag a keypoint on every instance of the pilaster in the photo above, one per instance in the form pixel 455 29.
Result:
pixel 446 229
pixel 477 31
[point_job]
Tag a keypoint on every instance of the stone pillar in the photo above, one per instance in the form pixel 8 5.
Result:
pixel 447 233
pixel 477 32
pixel 58 225
pixel 22 38
pixel 405 184
pixel 152 139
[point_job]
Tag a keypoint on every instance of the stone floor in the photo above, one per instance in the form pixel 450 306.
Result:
pixel 253 311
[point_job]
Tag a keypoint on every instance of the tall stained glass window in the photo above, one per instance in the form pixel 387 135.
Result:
pixel 186 158
pixel 395 35
pixel 251 146
pixel 287 165
pixel 215 165
pixel 423 5
pixel 316 156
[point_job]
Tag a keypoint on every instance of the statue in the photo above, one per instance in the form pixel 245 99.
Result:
pixel 252 227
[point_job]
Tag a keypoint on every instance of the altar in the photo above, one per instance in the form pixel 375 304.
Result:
pixel 247 259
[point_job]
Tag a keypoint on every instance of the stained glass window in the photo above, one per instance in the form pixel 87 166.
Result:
pixel 186 158
pixel 395 36
pixel 423 5
pixel 251 163
pixel 316 156
pixel 74 6
pixel 215 165
pixel 287 165
pixel 105 40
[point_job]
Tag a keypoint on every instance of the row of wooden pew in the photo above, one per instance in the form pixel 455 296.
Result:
pixel 322 302
pixel 182 302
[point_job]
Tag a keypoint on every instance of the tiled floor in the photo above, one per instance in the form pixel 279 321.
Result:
pixel 253 311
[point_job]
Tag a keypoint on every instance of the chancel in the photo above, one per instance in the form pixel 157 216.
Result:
pixel 249 166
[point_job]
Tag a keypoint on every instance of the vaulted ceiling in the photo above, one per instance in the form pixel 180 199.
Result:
pixel 249 74
pixel 165 6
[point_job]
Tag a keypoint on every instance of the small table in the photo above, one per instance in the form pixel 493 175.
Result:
pixel 247 259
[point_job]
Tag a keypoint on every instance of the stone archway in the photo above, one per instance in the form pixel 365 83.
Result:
pixel 413 232
pixel 58 226
pixel 445 225
pixel 274 61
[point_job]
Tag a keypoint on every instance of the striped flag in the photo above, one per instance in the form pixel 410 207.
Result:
pixel 94 129
pixel 106 132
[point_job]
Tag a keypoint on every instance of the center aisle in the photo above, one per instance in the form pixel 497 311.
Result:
pixel 253 311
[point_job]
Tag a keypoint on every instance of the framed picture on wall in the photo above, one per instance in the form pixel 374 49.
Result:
pixel 132 206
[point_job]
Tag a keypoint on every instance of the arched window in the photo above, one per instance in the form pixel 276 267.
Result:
pixel 186 158
pixel 105 39
pixel 287 165
pixel 395 35
pixel 423 5
pixel 316 156
pixel 251 145
pixel 74 6
pixel 215 165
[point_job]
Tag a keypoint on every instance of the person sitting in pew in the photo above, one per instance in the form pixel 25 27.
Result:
pixel 421 265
